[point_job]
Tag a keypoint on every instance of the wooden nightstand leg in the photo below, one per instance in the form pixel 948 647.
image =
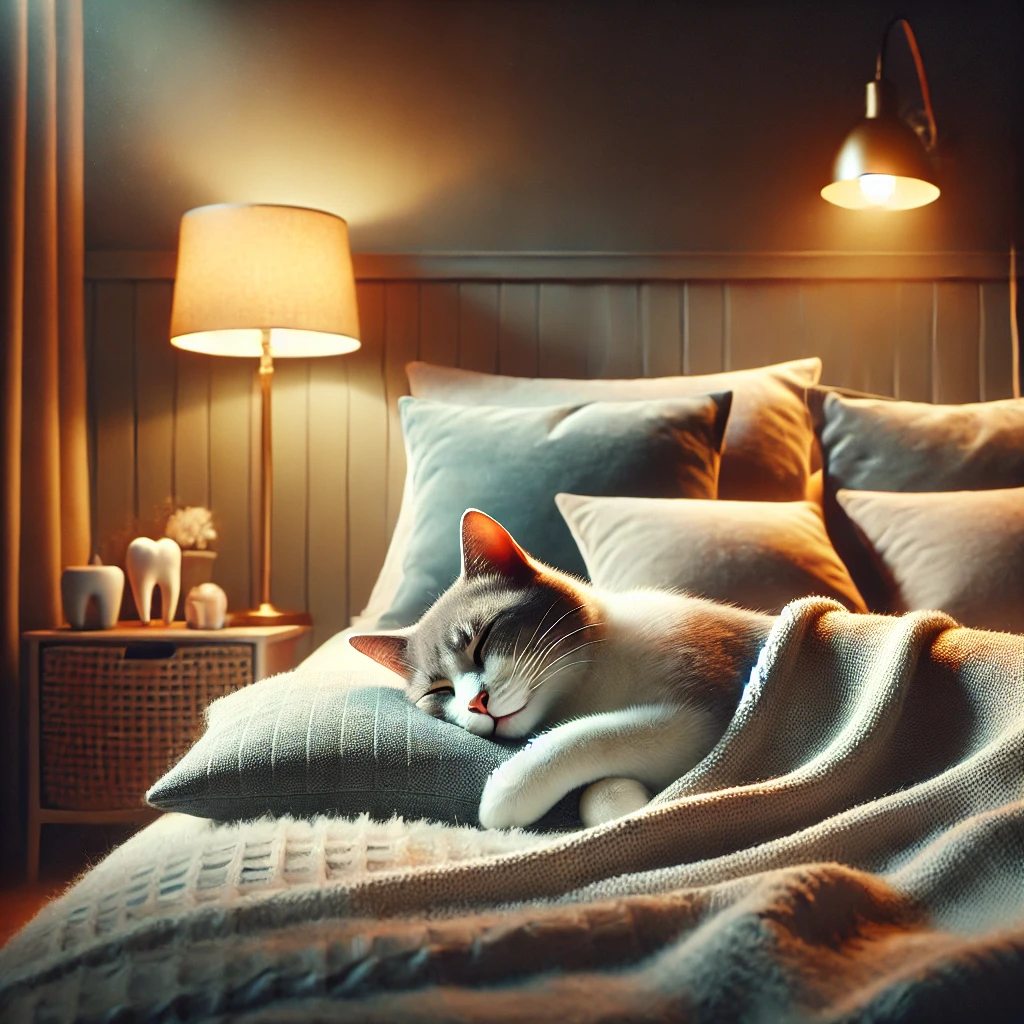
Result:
pixel 34 834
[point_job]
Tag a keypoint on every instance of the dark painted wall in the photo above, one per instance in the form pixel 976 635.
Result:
pixel 529 125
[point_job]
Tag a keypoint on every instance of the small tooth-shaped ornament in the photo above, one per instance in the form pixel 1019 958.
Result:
pixel 154 563
pixel 101 583
pixel 206 607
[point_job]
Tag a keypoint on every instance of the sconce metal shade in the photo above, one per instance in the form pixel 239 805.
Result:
pixel 882 164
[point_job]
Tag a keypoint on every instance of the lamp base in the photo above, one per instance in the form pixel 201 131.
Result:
pixel 268 615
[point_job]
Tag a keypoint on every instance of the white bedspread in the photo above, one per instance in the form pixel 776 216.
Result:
pixel 853 849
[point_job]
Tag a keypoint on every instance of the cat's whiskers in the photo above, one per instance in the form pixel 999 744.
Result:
pixel 529 644
pixel 538 681
pixel 536 659
pixel 540 663
pixel 572 664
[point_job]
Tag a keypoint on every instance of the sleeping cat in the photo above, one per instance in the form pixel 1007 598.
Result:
pixel 622 692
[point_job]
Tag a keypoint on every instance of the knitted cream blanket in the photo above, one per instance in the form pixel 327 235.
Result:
pixel 852 850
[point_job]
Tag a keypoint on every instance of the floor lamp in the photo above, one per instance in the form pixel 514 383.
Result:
pixel 266 282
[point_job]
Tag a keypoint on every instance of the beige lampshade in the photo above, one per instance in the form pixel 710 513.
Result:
pixel 246 268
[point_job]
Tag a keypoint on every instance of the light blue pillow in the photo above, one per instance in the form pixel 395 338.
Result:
pixel 511 462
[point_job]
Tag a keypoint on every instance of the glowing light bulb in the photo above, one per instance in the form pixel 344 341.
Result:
pixel 878 189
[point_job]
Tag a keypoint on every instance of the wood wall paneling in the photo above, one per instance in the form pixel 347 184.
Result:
pixel 368 449
pixel 168 423
pixel 114 394
pixel 154 387
pixel 328 531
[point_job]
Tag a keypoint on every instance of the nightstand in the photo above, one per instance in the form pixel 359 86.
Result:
pixel 111 710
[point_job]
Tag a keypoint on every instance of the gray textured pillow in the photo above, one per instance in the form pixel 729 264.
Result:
pixel 319 742
pixel 511 462
pixel 959 551
pixel 758 554
pixel 873 445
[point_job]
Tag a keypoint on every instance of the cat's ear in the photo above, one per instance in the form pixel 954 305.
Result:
pixel 488 549
pixel 386 649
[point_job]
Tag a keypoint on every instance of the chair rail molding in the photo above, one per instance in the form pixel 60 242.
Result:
pixel 141 265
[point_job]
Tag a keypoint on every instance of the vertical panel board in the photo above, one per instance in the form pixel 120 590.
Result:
pixel 517 329
pixel 912 364
pixel 328 496
pixel 704 330
pixel 231 382
pixel 401 341
pixel 114 524
pixel 290 426
pixel 764 323
pixel 854 327
pixel 154 389
pixel 478 327
pixel 616 348
pixel 192 429
pixel 368 449
pixel 662 329
pixel 565 325
pixel 90 385
pixel 956 338
pixel 439 324
pixel 996 342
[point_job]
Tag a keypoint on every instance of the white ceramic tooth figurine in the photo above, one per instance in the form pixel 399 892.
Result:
pixel 101 583
pixel 154 563
pixel 206 607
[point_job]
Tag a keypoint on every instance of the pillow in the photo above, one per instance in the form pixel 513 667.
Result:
pixel 958 551
pixel 756 554
pixel 878 445
pixel 768 440
pixel 320 742
pixel 511 462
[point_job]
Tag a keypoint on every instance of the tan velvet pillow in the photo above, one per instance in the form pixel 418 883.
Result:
pixel 875 445
pixel 959 551
pixel 758 554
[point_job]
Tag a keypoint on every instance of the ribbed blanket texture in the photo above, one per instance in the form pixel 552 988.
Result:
pixel 852 850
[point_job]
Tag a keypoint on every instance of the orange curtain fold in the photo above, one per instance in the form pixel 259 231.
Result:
pixel 44 489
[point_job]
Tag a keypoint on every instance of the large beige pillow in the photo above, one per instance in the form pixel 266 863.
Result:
pixel 758 554
pixel 877 445
pixel 959 551
pixel 768 439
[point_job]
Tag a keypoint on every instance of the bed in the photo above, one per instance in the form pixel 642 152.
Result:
pixel 852 848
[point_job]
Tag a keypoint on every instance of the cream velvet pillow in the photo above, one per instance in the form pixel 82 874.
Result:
pixel 758 554
pixel 768 441
pixel 959 551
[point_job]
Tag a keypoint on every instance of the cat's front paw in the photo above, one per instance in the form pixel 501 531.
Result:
pixel 608 799
pixel 507 804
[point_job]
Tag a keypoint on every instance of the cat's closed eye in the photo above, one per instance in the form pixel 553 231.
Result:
pixel 436 699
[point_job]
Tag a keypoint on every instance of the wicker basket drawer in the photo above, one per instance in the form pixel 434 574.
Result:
pixel 113 718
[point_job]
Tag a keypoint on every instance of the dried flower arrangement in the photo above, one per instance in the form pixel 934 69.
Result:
pixel 191 527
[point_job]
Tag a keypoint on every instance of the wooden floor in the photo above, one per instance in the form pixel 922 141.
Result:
pixel 67 851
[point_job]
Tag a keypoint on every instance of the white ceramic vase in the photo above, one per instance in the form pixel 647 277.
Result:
pixel 99 585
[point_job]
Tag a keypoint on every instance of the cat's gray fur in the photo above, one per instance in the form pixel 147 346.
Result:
pixel 622 692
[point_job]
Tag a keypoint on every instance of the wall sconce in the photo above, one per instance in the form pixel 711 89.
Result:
pixel 883 165
pixel 266 282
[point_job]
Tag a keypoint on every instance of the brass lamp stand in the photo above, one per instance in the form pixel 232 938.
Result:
pixel 267 614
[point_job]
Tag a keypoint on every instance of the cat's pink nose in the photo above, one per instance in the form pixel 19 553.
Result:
pixel 479 703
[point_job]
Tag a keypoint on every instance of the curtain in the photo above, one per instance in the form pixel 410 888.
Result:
pixel 44 481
